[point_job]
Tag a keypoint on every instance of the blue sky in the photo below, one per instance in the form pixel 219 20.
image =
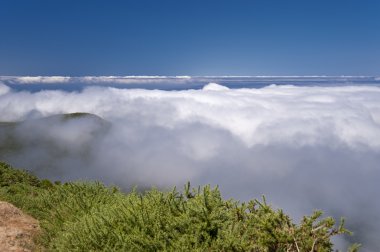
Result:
pixel 190 37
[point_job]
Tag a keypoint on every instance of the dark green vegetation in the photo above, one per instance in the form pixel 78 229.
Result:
pixel 84 216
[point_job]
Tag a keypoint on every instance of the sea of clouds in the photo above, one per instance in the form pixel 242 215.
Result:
pixel 304 148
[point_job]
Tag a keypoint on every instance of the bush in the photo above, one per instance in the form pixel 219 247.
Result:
pixel 88 216
pixel 10 176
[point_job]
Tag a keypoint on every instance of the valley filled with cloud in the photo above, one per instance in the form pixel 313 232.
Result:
pixel 302 147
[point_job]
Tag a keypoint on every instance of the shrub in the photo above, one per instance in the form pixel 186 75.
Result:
pixel 88 216
pixel 10 176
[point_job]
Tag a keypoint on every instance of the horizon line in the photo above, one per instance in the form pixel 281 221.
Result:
pixel 189 76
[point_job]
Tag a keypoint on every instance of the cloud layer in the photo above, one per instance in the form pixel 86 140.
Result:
pixel 180 80
pixel 303 147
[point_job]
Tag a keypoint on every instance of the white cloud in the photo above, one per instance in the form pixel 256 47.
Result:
pixel 275 114
pixel 214 87
pixel 186 82
pixel 40 79
pixel 3 89
pixel 133 79
pixel 303 147
pixel 94 79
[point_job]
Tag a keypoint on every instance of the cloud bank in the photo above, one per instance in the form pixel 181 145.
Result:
pixel 303 147
pixel 178 80
pixel 93 79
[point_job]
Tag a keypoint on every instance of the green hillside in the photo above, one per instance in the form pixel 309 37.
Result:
pixel 52 136
pixel 88 216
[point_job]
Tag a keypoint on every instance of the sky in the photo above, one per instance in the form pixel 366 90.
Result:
pixel 78 38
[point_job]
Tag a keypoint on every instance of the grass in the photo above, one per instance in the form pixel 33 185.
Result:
pixel 88 216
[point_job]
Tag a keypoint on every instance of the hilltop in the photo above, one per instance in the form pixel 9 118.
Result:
pixel 50 138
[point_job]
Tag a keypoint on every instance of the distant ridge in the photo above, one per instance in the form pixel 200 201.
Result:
pixel 56 135
pixel 63 117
